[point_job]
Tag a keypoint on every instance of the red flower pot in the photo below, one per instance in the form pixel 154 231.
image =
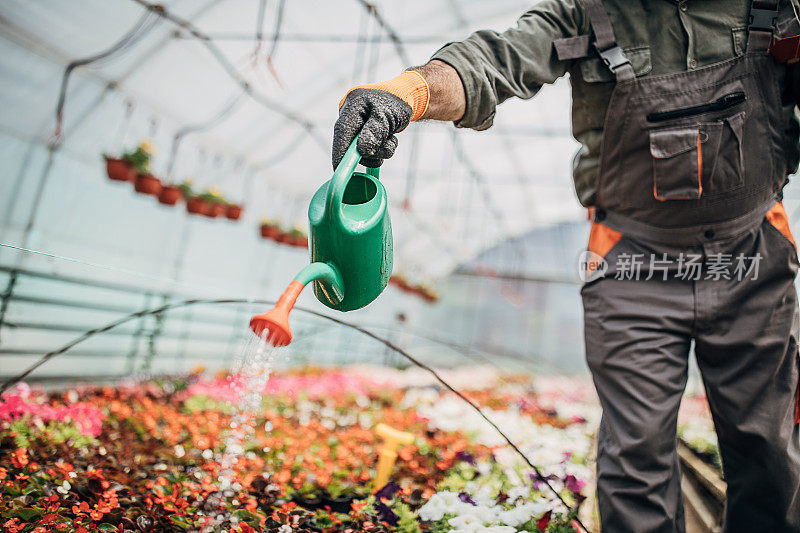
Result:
pixel 284 238
pixel 301 241
pixel 170 195
pixel 197 206
pixel 428 297
pixel 233 212
pixel 214 210
pixel 147 184
pixel 269 231
pixel 119 169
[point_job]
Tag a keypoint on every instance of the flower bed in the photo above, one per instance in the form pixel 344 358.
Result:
pixel 157 456
pixel 696 429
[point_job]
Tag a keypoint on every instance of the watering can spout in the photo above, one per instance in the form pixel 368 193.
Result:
pixel 274 324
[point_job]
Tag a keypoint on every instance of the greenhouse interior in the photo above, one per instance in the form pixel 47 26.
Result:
pixel 168 191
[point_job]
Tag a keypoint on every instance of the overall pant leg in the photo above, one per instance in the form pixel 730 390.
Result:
pixel 637 335
pixel 746 346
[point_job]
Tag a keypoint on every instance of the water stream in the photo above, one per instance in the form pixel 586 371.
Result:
pixel 249 374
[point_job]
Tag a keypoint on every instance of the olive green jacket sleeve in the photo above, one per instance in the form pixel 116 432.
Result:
pixel 517 62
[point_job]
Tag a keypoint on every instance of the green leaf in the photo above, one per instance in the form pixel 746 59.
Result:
pixel 28 513
pixel 180 522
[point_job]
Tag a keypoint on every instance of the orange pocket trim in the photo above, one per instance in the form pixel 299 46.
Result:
pixel 699 177
pixel 699 165
pixel 602 239
pixel 797 405
pixel 777 217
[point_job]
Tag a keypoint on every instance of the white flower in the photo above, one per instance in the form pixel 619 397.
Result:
pixel 520 514
pixel 466 523
pixel 439 504
pixel 515 493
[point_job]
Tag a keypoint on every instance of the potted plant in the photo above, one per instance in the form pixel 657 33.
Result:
pixel 215 203
pixel 283 237
pixel 170 194
pixel 195 205
pixel 399 280
pixel 145 182
pixel 269 229
pixel 296 237
pixel 233 211
pixel 427 293
pixel 119 169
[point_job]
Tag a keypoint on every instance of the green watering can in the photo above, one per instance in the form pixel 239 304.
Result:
pixel 351 247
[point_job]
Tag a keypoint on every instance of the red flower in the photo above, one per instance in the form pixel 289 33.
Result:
pixel 19 458
pixel 13 525
pixel 543 521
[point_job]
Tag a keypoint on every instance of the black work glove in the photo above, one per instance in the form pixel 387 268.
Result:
pixel 378 115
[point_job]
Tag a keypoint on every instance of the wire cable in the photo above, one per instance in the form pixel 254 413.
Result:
pixel 143 26
pixel 236 76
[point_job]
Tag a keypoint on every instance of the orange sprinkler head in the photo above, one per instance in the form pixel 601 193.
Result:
pixel 276 320
pixel 276 323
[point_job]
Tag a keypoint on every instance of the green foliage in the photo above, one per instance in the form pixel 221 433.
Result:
pixel 212 197
pixel 25 430
pixel 186 189
pixel 441 526
pixel 194 404
pixel 408 519
pixel 139 158
pixel 561 523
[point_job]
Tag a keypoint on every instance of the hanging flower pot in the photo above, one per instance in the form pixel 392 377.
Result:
pixel 293 237
pixel 296 237
pixel 427 294
pixel 270 230
pixel 197 206
pixel 215 202
pixel 170 194
pixel 119 169
pixel 147 184
pixel 215 209
pixel 233 211
pixel 132 164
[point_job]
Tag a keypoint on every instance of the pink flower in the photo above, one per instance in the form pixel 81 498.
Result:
pixel 13 405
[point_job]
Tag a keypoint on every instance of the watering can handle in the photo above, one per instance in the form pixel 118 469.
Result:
pixel 341 176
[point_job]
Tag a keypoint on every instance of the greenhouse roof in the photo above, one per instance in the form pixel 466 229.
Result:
pixel 252 88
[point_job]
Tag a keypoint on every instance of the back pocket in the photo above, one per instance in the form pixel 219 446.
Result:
pixel 677 162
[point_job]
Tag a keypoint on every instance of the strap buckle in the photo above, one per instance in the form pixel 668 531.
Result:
pixel 613 57
pixel 762 19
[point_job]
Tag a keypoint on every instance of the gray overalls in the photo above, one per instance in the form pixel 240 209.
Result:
pixel 697 248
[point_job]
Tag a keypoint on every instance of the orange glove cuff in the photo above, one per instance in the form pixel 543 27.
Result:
pixel 409 86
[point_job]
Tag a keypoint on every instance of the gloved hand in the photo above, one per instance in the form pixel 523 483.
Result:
pixel 378 111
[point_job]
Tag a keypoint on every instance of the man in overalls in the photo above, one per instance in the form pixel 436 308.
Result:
pixel 688 135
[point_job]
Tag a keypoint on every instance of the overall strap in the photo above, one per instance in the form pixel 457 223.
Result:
pixel 761 24
pixel 605 42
